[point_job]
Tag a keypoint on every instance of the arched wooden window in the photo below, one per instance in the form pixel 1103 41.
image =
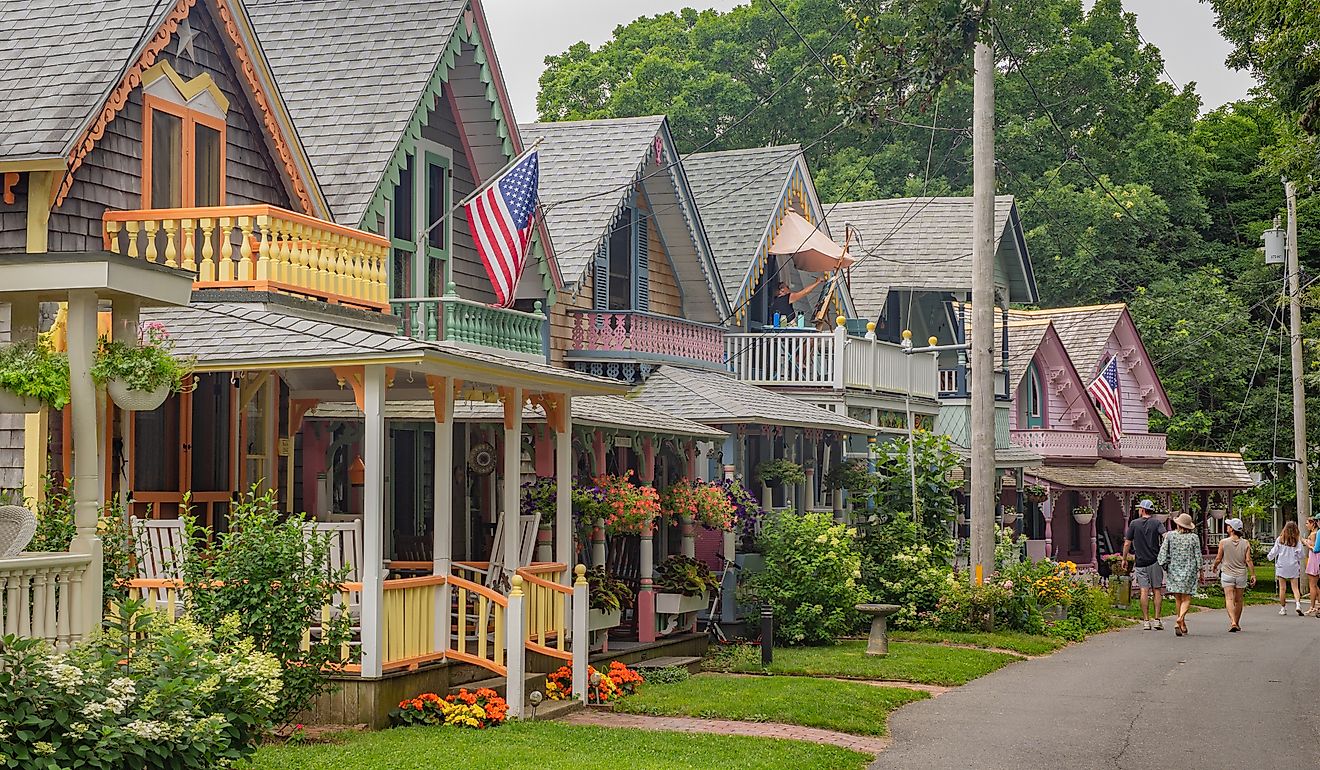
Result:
pixel 1033 399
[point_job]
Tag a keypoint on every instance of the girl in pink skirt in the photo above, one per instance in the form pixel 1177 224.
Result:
pixel 1313 564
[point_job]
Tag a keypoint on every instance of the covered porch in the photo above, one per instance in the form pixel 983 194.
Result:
pixel 1087 508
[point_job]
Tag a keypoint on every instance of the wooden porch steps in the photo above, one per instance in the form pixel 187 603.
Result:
pixel 692 664
pixel 531 683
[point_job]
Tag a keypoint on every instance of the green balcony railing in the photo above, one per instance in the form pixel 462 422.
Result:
pixel 453 319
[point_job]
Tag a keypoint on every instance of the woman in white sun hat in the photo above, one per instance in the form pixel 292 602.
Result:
pixel 1237 572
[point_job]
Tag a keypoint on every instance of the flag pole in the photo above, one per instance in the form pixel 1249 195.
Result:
pixel 421 235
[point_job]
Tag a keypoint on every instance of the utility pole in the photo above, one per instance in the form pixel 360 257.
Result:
pixel 983 318
pixel 1298 385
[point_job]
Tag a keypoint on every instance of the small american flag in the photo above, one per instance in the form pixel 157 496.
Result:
pixel 501 218
pixel 1105 391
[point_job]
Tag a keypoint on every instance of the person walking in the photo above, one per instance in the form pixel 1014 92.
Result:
pixel 1287 555
pixel 1313 563
pixel 1142 540
pixel 1180 556
pixel 1237 571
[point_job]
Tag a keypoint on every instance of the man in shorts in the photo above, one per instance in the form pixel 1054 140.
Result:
pixel 1142 540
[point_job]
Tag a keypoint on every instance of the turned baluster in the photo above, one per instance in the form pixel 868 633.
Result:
pixel 246 266
pixel 226 249
pixel 112 237
pixel 263 266
pixel 171 228
pixel 150 228
pixel 207 269
pixel 131 229
pixel 189 260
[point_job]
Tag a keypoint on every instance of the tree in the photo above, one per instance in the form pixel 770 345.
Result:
pixel 1275 39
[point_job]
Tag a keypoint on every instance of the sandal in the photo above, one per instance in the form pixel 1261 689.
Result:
pixel 1233 629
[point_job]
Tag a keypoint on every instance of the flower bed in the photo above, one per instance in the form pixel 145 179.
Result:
pixel 479 710
pixel 617 682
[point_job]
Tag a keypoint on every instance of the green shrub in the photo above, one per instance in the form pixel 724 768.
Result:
pixel 1091 608
pixel 56 530
pixel 146 694
pixel 811 577
pixel 667 675
pixel 773 473
pixel 1068 628
pixel 967 607
pixel 900 567
pixel 731 657
pixel 35 371
pixel 276 579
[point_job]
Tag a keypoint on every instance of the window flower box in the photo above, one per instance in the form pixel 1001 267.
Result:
pixel 600 620
pixel 677 604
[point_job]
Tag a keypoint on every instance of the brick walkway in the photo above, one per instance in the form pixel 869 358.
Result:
pixel 866 744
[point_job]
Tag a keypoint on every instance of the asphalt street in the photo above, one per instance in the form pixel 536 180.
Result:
pixel 1132 700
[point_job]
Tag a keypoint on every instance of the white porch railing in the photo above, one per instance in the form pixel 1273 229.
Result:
pixel 41 595
pixel 829 359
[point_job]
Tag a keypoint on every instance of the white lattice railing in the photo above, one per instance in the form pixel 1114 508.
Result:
pixel 41 596
pixel 1058 443
pixel 829 359
pixel 1136 446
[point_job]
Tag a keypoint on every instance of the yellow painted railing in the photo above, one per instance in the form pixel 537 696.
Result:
pixel 479 626
pixel 265 248
pixel 545 610
pixel 161 595
pixel 409 612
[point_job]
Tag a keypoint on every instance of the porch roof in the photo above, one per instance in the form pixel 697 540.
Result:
pixel 612 412
pixel 1183 470
pixel 716 398
pixel 1005 457
pixel 236 336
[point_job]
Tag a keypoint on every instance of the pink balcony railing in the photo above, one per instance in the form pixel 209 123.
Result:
pixel 634 334
pixel 1136 446
pixel 1069 444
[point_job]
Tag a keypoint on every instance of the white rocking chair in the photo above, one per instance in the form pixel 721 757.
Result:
pixel 496 574
pixel 159 545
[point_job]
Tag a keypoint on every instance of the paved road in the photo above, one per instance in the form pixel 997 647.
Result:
pixel 1132 700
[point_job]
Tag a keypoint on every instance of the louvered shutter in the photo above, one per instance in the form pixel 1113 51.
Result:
pixel 600 274
pixel 642 273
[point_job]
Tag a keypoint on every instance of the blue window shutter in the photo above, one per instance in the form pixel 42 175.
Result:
pixel 600 274
pixel 642 250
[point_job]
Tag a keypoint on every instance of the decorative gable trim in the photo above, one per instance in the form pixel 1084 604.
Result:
pixel 137 70
pixel 467 31
pixel 188 90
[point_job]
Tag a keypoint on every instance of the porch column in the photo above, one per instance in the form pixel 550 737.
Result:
pixel 564 490
pixel 597 452
pixel 729 580
pixel 646 596
pixel 373 518
pixel 86 454
pixel 442 506
pixel 1047 513
pixel 513 402
pixel 1095 534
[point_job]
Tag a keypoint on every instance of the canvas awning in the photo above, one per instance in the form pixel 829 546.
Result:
pixel 811 249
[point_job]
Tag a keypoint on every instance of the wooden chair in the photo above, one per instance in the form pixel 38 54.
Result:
pixel 496 574
pixel 345 553
pixel 159 548
pixel 17 526
pixel 623 560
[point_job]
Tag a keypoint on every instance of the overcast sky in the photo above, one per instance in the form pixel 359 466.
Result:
pixel 526 32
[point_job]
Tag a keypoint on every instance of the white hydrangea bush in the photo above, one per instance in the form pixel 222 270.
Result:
pixel 144 693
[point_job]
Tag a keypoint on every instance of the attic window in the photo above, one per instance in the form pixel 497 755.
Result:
pixel 183 157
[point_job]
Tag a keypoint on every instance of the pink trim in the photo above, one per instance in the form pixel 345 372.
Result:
pixel 646 616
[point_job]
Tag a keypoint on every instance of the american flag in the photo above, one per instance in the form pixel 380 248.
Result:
pixel 1105 391
pixel 501 218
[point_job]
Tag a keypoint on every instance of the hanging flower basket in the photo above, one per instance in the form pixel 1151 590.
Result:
pixel 1219 513
pixel 1035 493
pixel 1010 516
pixel 1083 515
pixel 12 403
pixel 131 400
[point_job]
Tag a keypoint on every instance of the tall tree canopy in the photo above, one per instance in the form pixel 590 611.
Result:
pixel 1127 192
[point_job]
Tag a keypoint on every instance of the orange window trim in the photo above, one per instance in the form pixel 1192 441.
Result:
pixel 191 118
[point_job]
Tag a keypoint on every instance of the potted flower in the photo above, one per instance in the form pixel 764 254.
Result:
pixel 775 472
pixel 706 504
pixel 628 508
pixel 32 374
pixel 1120 583
pixel 140 377
pixel 1217 507
pixel 1035 493
pixel 684 585
pixel 608 597
pixel 1082 514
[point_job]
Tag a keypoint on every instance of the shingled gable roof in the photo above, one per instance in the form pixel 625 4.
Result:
pixel 737 192
pixel 717 398
pixel 588 172
pixel 1086 330
pixel 67 59
pixel 925 244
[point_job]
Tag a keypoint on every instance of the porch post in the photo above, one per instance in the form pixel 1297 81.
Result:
pixel 598 452
pixel 646 596
pixel 564 491
pixel 729 581
pixel 513 413
pixel 442 509
pixel 373 518
pixel 1047 513
pixel 86 455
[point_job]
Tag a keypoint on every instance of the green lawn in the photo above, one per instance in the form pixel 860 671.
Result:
pixel 1024 644
pixel 849 707
pixel 553 746
pixel 907 662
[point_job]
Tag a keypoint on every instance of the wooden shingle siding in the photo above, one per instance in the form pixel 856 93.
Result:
pixel 665 296
pixel 13 220
pixel 111 175
pixel 468 272
pixel 561 322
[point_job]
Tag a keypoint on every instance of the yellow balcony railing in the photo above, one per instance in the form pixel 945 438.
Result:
pixel 264 248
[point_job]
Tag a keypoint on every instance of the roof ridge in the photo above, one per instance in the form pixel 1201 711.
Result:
pixel 1072 308
pixel 593 121
pixel 791 147
pixel 1202 453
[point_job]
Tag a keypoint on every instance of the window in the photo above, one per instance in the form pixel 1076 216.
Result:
pixel 1033 406
pixel 422 196
pixel 183 158
pixel 621 262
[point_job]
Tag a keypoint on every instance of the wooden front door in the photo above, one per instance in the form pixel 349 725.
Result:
pixel 185 449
